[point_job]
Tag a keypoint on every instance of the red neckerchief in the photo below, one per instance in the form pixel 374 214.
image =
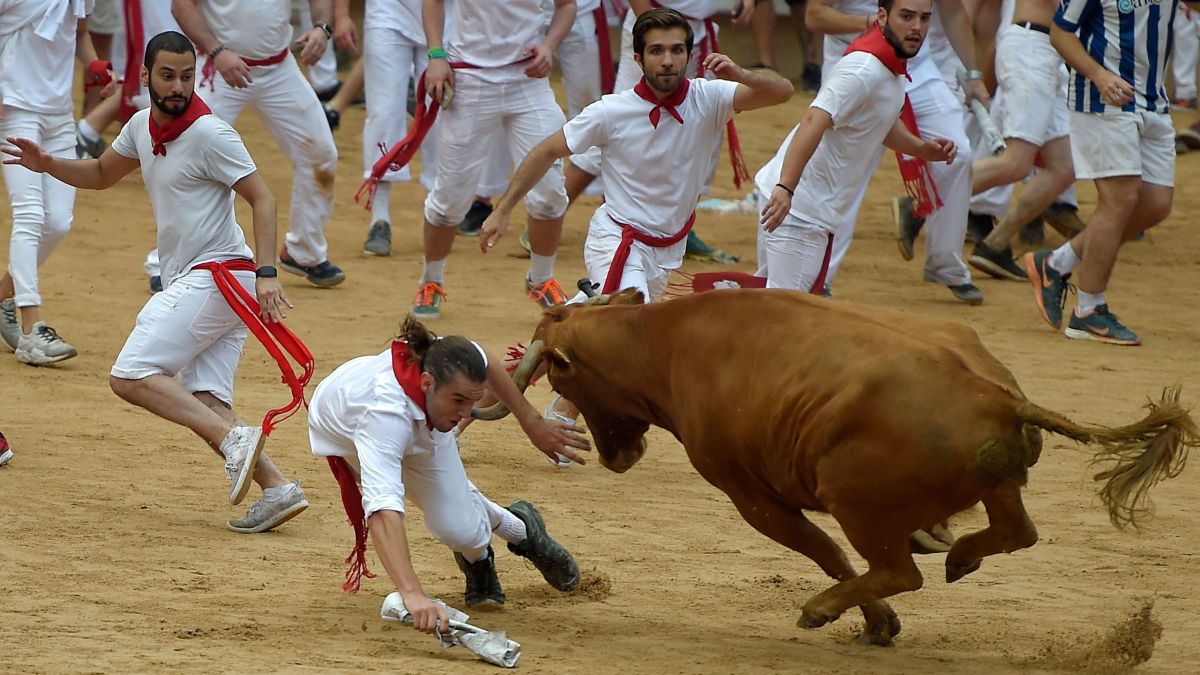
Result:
pixel 676 98
pixel 175 128
pixel 408 374
pixel 875 43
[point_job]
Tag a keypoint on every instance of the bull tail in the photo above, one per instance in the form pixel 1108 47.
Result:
pixel 1138 455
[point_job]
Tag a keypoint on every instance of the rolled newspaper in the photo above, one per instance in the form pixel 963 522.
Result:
pixel 991 135
pixel 491 646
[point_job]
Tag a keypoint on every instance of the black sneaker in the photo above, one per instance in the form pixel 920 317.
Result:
pixel 473 221
pixel 907 225
pixel 550 557
pixel 483 586
pixel 332 116
pixel 999 264
pixel 979 226
pixel 1033 234
pixel 379 239
pixel 324 274
pixel 326 95
pixel 810 79
pixel 155 284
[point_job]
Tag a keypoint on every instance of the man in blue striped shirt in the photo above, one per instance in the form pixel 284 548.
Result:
pixel 1122 138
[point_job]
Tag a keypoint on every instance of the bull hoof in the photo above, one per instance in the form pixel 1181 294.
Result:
pixel 956 570
pixel 880 634
pixel 810 619
pixel 923 542
pixel 875 640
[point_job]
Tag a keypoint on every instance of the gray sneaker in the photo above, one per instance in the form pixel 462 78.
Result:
pixel 269 513
pixel 85 149
pixel 968 293
pixel 10 325
pixel 550 557
pixel 379 239
pixel 907 225
pixel 43 346
pixel 241 448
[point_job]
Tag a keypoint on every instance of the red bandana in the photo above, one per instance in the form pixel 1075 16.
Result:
pixel 677 97
pixel 175 128
pixel 408 374
pixel 875 43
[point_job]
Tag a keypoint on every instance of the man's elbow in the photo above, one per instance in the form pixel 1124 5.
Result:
pixel 783 92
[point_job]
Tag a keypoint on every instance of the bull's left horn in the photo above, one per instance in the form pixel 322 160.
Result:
pixel 521 377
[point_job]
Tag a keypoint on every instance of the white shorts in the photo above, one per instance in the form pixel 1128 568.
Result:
pixel 641 272
pixel 189 330
pixel 793 256
pixel 105 19
pixel 1032 76
pixel 1104 145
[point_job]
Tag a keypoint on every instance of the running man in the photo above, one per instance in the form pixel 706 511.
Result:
pixel 836 145
pixel 192 163
pixel 38 40
pixel 386 425
pixel 1123 140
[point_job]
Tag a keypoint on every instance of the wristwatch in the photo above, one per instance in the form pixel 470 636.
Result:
pixel 266 272
pixel 327 28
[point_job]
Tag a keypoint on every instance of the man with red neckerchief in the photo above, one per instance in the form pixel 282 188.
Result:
pixel 192 163
pixel 834 146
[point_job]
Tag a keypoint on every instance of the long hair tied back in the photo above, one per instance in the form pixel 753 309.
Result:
pixel 442 357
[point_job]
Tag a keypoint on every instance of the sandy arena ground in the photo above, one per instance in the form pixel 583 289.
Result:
pixel 114 554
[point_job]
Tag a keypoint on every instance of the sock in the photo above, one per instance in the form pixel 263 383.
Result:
pixel 541 268
pixel 435 271
pixel 89 134
pixel 1088 302
pixel 482 556
pixel 1064 260
pixel 510 528
pixel 381 202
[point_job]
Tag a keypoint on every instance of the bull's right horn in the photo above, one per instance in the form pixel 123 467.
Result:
pixel 598 300
pixel 521 377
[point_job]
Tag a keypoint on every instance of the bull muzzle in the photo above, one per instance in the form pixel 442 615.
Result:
pixel 521 377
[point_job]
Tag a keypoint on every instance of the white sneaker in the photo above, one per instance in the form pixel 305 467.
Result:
pixel 10 325
pixel 272 511
pixel 241 448
pixel 552 414
pixel 43 346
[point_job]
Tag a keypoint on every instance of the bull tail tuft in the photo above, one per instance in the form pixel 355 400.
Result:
pixel 1138 455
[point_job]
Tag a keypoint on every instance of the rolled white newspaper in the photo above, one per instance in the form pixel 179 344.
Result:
pixel 991 135
pixel 491 646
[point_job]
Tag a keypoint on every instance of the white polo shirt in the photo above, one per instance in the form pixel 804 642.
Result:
pixel 492 35
pixel 255 29
pixel 653 176
pixel 864 99
pixel 37 50
pixel 190 190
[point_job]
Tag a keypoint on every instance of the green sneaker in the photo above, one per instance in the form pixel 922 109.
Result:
pixel 483 584
pixel 428 303
pixel 1049 287
pixel 1102 326
pixel 550 557
pixel 700 251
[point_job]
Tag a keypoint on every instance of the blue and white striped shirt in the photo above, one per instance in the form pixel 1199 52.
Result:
pixel 1131 38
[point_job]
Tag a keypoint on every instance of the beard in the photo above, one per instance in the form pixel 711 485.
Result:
pixel 172 105
pixel 897 43
pixel 664 83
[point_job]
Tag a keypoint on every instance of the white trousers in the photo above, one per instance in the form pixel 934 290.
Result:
pixel 41 206
pixel 187 330
pixel 579 59
pixel 793 255
pixel 391 63
pixel 323 73
pixel 517 115
pixel 456 513
pixel 1187 51
pixel 293 116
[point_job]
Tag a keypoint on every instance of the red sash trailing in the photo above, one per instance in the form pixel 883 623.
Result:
pixel 608 74
pixel 209 72
pixel 630 234
pixel 710 45
pixel 709 281
pixel 408 374
pixel 402 152
pixel 918 181
pixel 135 50
pixel 175 128
pixel 275 337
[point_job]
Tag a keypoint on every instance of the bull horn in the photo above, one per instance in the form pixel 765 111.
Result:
pixel 521 377
pixel 598 300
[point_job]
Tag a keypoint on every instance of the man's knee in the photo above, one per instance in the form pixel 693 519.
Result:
pixel 123 388
pixel 548 199
pixel 462 533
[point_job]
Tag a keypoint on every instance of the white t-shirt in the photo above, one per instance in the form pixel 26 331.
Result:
pixel 37 50
pixel 255 29
pixel 493 35
pixel 921 68
pixel 695 9
pixel 365 409
pixel 403 16
pixel 190 190
pixel 864 99
pixel 653 176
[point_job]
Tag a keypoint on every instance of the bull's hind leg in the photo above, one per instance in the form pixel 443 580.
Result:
pixel 790 527
pixel 1009 529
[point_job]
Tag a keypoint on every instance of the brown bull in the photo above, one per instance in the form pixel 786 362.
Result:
pixel 889 423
